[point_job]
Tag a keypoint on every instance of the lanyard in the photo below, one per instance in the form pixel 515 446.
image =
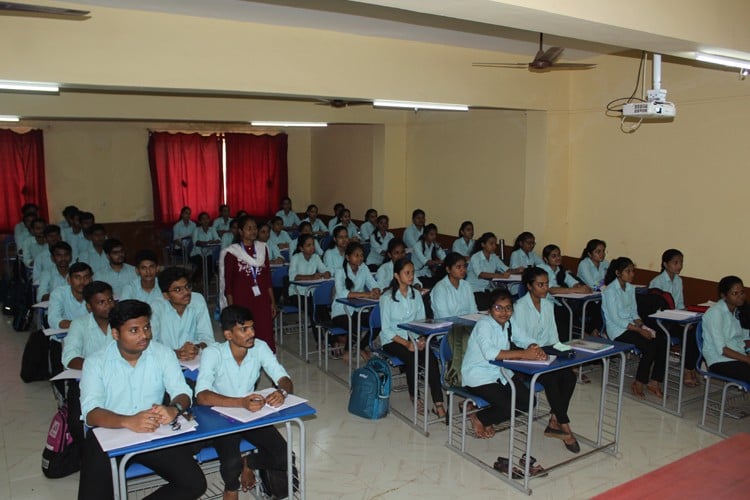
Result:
pixel 253 269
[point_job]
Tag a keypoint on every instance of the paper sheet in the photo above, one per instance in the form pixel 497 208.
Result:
pixel 430 326
pixel 41 305
pixel 69 374
pixel 243 415
pixel 193 364
pixel 112 439
pixel 675 314
pixel 49 332
pixel 540 362
pixel 475 316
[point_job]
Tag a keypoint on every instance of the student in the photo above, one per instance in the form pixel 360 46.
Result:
pixel 95 256
pixel 43 261
pixel 333 258
pixel 305 265
pixel 305 228
pixel 523 252
pixel 725 342
pixel 204 237
pixel 228 377
pixel 229 236
pixel 123 386
pixel 592 267
pixel 57 275
pixel 490 341
pixel 370 225
pixel 181 320
pixel 464 244
pixel 264 233
pixel 401 303
pixel 335 220
pixel 452 296
pixel 560 281
pixel 353 281
pixel 395 252
pixel 90 333
pixel 414 232
pixel 36 244
pixel 66 302
pixel 87 221
pixel 117 273
pixel 22 230
pixel 624 325
pixel 74 234
pixel 184 228
pixel 318 227
pixel 345 220
pixel 144 287
pixel 289 218
pixel 427 256
pixel 67 213
pixel 278 236
pixel 484 266
pixel 379 240
pixel 533 325
pixel 222 223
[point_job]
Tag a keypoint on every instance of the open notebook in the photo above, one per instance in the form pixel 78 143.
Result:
pixel 243 415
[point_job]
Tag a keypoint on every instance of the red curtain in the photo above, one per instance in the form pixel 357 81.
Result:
pixel 21 176
pixel 256 172
pixel 185 171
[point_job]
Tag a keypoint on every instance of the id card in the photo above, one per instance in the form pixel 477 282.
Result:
pixel 256 291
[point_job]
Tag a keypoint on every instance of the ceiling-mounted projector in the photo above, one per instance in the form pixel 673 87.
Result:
pixel 656 105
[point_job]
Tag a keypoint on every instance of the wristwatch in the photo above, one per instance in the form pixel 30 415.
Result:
pixel 180 409
pixel 283 392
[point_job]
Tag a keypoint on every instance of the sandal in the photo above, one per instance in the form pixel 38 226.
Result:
pixel 247 477
pixel 555 433
pixel 439 410
pixel 637 390
pixel 502 464
pixel 535 470
pixel 655 390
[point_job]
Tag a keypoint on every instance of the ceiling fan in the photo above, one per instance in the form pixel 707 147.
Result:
pixel 25 8
pixel 340 103
pixel 544 60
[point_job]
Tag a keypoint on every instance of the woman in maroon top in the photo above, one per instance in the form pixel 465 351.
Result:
pixel 247 279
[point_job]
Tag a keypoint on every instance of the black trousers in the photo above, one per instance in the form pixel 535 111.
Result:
pixel 407 357
pixel 498 396
pixel 342 321
pixel 733 369
pixel 271 454
pixel 690 349
pixel 176 465
pixel 652 355
pixel 558 387
pixel 562 321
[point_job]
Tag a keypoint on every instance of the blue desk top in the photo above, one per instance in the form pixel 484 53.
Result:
pixel 686 321
pixel 580 358
pixel 359 303
pixel 212 424
pixel 310 282
pixel 422 330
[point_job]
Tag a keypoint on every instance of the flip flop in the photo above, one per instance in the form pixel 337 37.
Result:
pixel 535 470
pixel 502 464
pixel 555 433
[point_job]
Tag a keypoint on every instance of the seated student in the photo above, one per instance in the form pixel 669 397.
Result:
pixel 43 261
pixel 345 221
pixel 67 220
pixel 592 267
pixel 464 244
pixel 484 266
pixel 74 234
pixel 57 275
pixel 533 325
pixel 66 303
pixel 203 237
pixel 335 220
pixel 415 230
pixel 264 234
pixel 395 252
pixel 523 252
pixel 452 295
pixel 379 240
pixel 228 376
pixel 305 228
pixel 229 236
pixel 489 341
pixel 289 219
pixel 624 325
pixel 370 224
pixel 95 256
pixel 318 226
pixel 181 321
pixel 725 342
pixel 36 244
pixel 117 273
pixel 305 266
pixel 183 228
pixel 123 386
pixel 278 236
pixel 333 258
pixel 90 333
pixel 427 257
pixel 560 281
pixel 222 222
pixel 143 287
pixel 22 230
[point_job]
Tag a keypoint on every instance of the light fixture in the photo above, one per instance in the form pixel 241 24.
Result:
pixel 723 60
pixel 288 124
pixel 9 118
pixel 29 86
pixel 383 103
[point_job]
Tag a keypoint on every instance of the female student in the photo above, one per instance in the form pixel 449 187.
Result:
pixel 724 339
pixel 318 227
pixel 306 228
pixel 289 218
pixel 593 267
pixel 534 325
pixel 396 251
pixel 464 245
pixel 204 237
pixel 369 226
pixel 222 222
pixel 278 236
pixel 414 232
pixel 305 265
pixel 484 266
pixel 624 325
pixel 336 220
pixel 230 235
pixel 379 240
pixel 523 252
pixel 427 256
pixel 401 303
pixel 184 227
pixel 274 254
pixel 560 281
pixel 333 258
pixel 669 281
pixel 452 296
pixel 247 278
pixel 345 220
pixel 354 281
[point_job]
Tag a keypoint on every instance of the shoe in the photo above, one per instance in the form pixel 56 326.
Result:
pixel 573 447
pixel 535 470
pixel 502 464
pixel 555 433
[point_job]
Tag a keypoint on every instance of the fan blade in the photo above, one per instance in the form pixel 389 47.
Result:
pixel 572 66
pixel 500 65
pixel 551 55
pixel 41 9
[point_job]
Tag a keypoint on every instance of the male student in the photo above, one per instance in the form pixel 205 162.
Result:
pixel 74 233
pixel 67 214
pixel 227 377
pixel 123 386
pixel 94 254
pixel 57 275
pixel 221 223
pixel 117 272
pixel 66 302
pixel 144 287
pixel 87 220
pixel 22 230
pixel 43 261
pixel 181 321
pixel 35 244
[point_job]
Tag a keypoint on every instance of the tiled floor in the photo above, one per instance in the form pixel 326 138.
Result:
pixel 352 458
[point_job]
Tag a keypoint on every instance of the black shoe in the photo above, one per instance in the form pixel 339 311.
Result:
pixel 573 447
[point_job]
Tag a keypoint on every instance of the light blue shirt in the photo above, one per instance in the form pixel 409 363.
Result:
pixel 221 224
pixel 384 276
pixel 227 239
pixel 290 219
pixel 362 281
pixel 351 230
pixel 479 264
pixel 519 258
pixel 332 224
pixel 96 260
pixel 182 230
pixel 449 301
pixel 411 235
pixel 134 290
pixel 590 274
pixel 334 260
pixel 64 306
pixel 42 263
pixel 74 240
pixel 462 248
pixel 274 252
pixel 300 265
pixel 221 374
pixel 293 247
pixel 84 339
pixel 317 226
pixel 111 383
pixel 673 286
pixel 487 339
pixel 50 280
pixel 203 235
pixel 721 329
pixel 420 256
pixel 20 233
pixel 366 230
pixel 173 330
pixel 393 313
pixel 378 248
pixel 619 307
pixel 531 326
pixel 31 249
pixel 117 280
pixel 281 238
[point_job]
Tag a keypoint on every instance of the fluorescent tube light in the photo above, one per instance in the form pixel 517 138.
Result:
pixel 383 103
pixel 723 60
pixel 288 124
pixel 9 118
pixel 29 86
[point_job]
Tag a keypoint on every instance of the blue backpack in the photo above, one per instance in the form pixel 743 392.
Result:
pixel 371 390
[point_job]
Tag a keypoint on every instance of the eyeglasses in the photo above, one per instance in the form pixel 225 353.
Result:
pixel 499 308
pixel 179 289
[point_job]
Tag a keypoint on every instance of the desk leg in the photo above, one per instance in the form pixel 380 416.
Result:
pixel 205 274
pixel 359 334
pixel 666 365
pixel 122 482
pixel 682 369
pixel 570 317
pixel 304 333
pixel 115 479
pixel 602 401
pixel 416 383
pixel 349 346
pixel 583 316
pixel 529 430
pixel 300 318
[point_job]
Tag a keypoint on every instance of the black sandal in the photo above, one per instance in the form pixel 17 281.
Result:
pixel 535 470
pixel 502 464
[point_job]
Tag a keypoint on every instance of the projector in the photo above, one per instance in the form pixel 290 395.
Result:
pixel 660 110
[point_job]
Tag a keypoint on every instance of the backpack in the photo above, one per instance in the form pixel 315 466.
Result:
pixel 35 358
pixel 273 482
pixel 61 455
pixel 458 340
pixel 371 390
